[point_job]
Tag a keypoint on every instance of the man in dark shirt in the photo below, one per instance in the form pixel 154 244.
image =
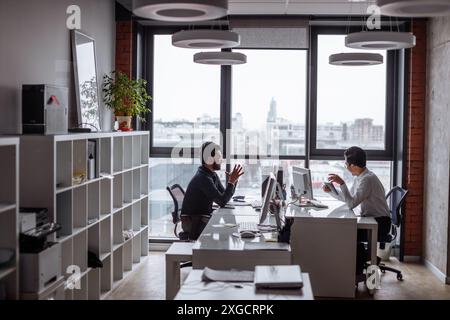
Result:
pixel 206 188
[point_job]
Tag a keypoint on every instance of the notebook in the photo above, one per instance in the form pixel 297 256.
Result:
pixel 278 277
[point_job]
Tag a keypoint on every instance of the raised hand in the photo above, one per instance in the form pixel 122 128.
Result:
pixel 235 174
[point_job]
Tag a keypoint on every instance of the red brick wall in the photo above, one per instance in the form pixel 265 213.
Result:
pixel 416 141
pixel 124 47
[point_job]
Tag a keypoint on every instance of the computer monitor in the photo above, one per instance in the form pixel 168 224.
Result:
pixel 268 195
pixel 302 182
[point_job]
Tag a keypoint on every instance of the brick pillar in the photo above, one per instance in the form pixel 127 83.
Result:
pixel 124 47
pixel 416 141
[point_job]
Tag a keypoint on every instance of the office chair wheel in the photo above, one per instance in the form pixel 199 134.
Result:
pixel 399 277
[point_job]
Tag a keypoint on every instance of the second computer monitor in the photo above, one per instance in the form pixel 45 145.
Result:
pixel 302 182
pixel 268 195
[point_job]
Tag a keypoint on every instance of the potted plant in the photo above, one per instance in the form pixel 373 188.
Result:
pixel 126 97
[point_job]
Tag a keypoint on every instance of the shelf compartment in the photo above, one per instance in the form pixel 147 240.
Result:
pixel 93 201
pixel 80 207
pixel 128 256
pixel 105 236
pixel 105 196
pixel 136 184
pixel 136 151
pixel 93 148
pixel 118 191
pixel 64 213
pixel 94 240
pixel 80 158
pixel 118 228
pixel 127 187
pixel 118 264
pixel 10 282
pixel 144 212
pixel 66 257
pixel 145 149
pixel 82 293
pixel 127 152
pixel 118 154
pixel 93 277
pixel 63 164
pixel 136 212
pixel 105 156
pixel 127 219
pixel 144 181
pixel 137 248
pixel 144 242
pixel 9 174
pixel 8 224
pixel 105 276
pixel 80 248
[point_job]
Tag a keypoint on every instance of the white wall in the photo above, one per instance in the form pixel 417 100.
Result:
pixel 35 48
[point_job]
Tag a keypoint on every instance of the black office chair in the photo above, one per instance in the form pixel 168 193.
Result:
pixel 395 198
pixel 177 194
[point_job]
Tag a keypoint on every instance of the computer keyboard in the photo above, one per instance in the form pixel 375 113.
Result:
pixel 256 204
pixel 248 226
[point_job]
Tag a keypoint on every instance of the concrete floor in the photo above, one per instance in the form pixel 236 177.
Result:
pixel 147 282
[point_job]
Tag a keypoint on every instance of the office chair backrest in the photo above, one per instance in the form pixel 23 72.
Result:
pixel 395 199
pixel 177 194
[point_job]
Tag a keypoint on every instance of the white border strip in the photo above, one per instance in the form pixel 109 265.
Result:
pixel 438 273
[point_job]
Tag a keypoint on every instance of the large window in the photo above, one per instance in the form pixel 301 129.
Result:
pixel 186 98
pixel 284 107
pixel 269 103
pixel 351 101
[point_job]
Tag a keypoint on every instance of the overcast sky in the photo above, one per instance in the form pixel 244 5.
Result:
pixel 186 90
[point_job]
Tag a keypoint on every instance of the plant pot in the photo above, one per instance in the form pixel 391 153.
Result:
pixel 124 123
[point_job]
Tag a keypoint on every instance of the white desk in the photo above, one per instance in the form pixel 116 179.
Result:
pixel 218 248
pixel 337 209
pixel 195 289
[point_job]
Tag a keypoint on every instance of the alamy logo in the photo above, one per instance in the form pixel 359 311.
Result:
pixel 373 277
pixel 374 20
pixel 73 282
pixel 73 22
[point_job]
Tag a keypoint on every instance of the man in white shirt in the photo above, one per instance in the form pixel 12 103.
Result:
pixel 367 191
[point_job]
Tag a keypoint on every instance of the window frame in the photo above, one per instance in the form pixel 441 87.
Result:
pixel 392 70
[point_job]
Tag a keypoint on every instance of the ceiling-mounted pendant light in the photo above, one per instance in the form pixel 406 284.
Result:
pixel 414 8
pixel 380 40
pixel 180 10
pixel 220 58
pixel 356 59
pixel 206 39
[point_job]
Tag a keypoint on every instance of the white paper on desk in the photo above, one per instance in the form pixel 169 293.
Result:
pixel 227 276
pixel 266 246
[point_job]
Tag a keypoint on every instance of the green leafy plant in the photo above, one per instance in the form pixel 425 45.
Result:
pixel 127 97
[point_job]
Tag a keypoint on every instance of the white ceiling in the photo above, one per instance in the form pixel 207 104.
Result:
pixel 306 7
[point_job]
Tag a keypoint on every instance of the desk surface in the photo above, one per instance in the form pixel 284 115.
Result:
pixel 195 289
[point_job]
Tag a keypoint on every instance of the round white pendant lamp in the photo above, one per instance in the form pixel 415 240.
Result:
pixel 356 59
pixel 414 8
pixel 180 10
pixel 380 40
pixel 206 39
pixel 220 58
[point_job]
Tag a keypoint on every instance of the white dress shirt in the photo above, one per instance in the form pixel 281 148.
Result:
pixel 366 191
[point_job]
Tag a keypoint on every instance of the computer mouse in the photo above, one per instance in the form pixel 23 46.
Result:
pixel 247 234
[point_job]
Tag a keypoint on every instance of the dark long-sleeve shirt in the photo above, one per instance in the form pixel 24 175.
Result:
pixel 204 189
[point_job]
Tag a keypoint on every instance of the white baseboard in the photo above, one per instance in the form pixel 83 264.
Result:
pixel 438 273
pixel 412 258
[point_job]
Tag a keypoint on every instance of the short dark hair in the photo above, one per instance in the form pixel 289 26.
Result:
pixel 356 156
pixel 210 148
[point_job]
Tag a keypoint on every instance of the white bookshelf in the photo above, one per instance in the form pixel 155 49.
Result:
pixel 95 213
pixel 9 214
